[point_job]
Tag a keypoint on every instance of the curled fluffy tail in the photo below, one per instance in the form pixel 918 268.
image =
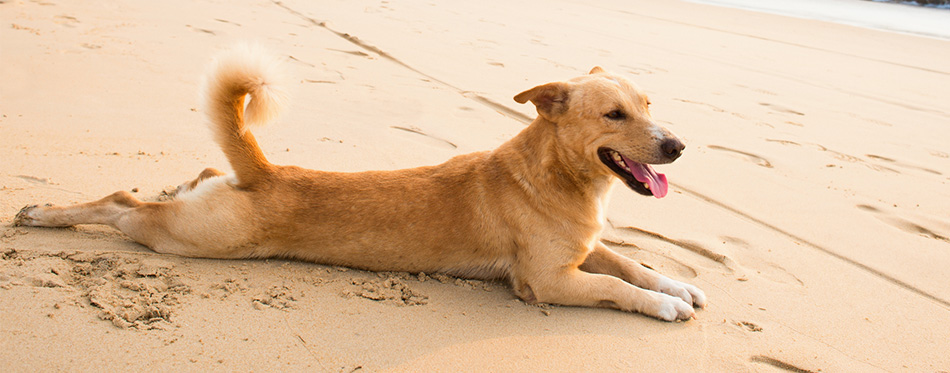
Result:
pixel 236 73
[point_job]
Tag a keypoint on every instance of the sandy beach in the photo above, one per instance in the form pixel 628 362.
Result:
pixel 812 203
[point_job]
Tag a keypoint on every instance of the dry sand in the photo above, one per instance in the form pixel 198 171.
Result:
pixel 812 204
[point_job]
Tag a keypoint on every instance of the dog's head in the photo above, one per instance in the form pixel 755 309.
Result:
pixel 603 122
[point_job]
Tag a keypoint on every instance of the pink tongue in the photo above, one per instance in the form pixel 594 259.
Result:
pixel 645 174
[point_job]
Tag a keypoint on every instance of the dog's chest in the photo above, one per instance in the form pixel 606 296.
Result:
pixel 602 200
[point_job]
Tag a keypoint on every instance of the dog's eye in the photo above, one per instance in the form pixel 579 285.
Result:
pixel 615 115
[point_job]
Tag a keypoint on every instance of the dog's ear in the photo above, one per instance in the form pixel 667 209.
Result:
pixel 596 70
pixel 550 99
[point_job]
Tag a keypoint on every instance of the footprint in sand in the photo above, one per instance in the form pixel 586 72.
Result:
pixel 853 159
pixel 871 120
pixel 753 262
pixel 747 156
pixel 784 142
pixel 651 259
pixel 624 235
pixel 757 90
pixel 904 224
pixel 903 164
pixel 68 21
pixel 748 326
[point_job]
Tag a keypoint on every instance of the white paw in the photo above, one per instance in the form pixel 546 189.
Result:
pixel 27 217
pixel 688 293
pixel 673 309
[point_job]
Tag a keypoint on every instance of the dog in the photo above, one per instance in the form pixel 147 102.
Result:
pixel 530 211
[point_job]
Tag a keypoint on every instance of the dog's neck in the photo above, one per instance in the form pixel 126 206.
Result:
pixel 554 167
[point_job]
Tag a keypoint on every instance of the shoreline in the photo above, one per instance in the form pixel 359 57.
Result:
pixel 892 16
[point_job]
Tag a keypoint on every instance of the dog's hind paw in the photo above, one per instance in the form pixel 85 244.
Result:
pixel 23 218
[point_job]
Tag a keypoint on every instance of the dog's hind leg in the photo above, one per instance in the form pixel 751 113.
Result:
pixel 104 211
pixel 139 220
pixel 197 227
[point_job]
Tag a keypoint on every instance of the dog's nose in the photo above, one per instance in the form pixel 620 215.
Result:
pixel 672 148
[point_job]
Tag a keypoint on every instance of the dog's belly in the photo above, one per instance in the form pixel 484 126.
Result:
pixel 367 253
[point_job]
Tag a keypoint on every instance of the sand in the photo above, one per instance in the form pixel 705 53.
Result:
pixel 811 203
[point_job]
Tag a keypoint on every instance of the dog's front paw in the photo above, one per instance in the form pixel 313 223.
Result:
pixel 688 293
pixel 670 308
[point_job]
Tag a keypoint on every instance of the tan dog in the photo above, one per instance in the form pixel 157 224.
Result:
pixel 530 211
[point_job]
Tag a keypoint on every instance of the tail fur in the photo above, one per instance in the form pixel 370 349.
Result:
pixel 236 73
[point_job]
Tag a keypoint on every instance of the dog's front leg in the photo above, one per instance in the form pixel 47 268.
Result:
pixel 573 287
pixel 606 261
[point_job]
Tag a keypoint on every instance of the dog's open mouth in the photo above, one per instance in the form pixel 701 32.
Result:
pixel 638 176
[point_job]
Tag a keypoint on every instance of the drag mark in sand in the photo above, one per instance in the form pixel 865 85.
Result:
pixel 420 132
pixel 198 29
pixel 712 107
pixel 501 109
pixel 762 359
pixel 945 303
pixel 318 81
pixel 760 161
pixel 303 342
pixel 46 183
pixel 352 53
pixel 781 108
pixel 226 21
pixel 295 59
pixel 34 179
pixel 709 106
